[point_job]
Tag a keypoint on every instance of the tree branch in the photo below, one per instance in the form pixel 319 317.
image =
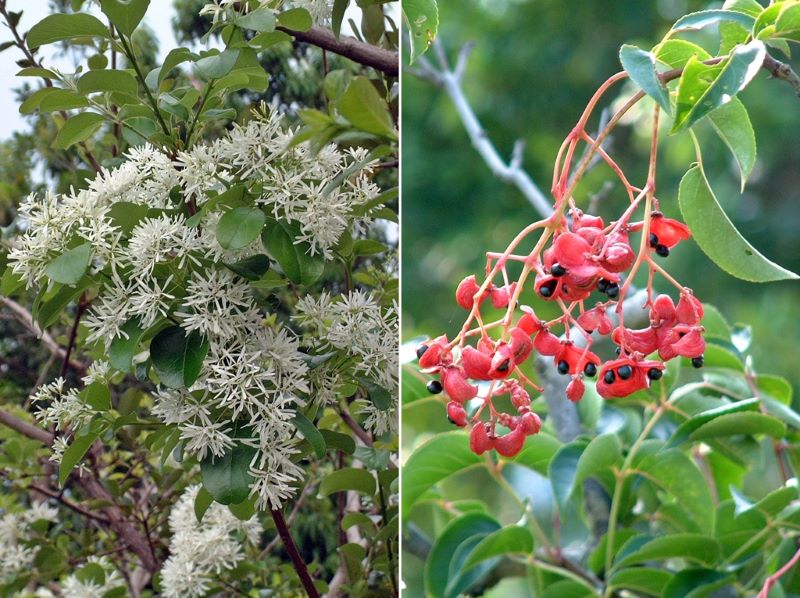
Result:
pixel 297 560
pixel 349 47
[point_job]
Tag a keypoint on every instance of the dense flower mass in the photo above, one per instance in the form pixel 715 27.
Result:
pixel 17 546
pixel 154 265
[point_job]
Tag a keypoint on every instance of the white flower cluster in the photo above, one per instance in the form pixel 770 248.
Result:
pixel 320 10
pixel 152 264
pixel 202 551
pixel 221 10
pixel 17 551
pixel 356 323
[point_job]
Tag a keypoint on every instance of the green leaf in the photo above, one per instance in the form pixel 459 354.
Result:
pixel 365 108
pixel 695 583
pixel 178 358
pixel 239 227
pixel 787 25
pixel 97 395
pixel 52 308
pixel 348 478
pixel 647 580
pixel 202 502
pixel 704 18
pixel 60 27
pixel 296 19
pixel 127 215
pixel 125 14
pixel 508 540
pixel 563 471
pixel 337 15
pixel 537 453
pixel 600 454
pixel 368 247
pixel 379 396
pixel 261 20
pixel 732 124
pixel 91 574
pixel 748 7
pixel 439 570
pixel 122 349
pixel 675 53
pixel 228 478
pixel 78 128
pixel 641 67
pixel 438 458
pixel 715 323
pixel 173 59
pixel 692 547
pixel 279 238
pixel 108 80
pixel 422 17
pixel 748 422
pixel 310 433
pixel 62 99
pixel 717 237
pixel 702 88
pixel 76 450
pixel 69 267
pixel 218 65
pixel 244 511
pixel 685 430
pixel 251 268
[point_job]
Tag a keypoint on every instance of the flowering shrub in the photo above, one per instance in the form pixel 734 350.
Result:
pixel 645 500
pixel 229 309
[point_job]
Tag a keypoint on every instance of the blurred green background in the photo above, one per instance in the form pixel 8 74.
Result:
pixel 534 67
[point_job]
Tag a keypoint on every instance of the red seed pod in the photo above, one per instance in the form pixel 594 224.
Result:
pixel 519 396
pixel 521 345
pixel 479 440
pixel 476 363
pixel 530 423
pixel 689 310
pixel 663 311
pixel 546 343
pixel 501 295
pixel 466 291
pixel 529 322
pixel 692 344
pixel 620 378
pixel 456 385
pixel 618 256
pixel 643 341
pixel 502 362
pixel 436 354
pixel 575 390
pixel 595 319
pixel 668 232
pixel 581 220
pixel 574 357
pixel 509 445
pixel 457 414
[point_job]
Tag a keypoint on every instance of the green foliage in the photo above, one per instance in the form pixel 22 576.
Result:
pixel 178 357
pixel 227 478
pixel 422 17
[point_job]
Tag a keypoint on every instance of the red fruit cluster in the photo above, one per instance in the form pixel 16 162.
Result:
pixel 584 258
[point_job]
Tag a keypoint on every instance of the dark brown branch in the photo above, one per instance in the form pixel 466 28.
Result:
pixel 26 429
pixel 362 434
pixel 349 47
pixel 73 333
pixel 69 504
pixel 297 560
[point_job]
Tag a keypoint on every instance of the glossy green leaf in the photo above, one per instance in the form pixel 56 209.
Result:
pixel 641 67
pixel 646 580
pixel 228 478
pixel 715 324
pixel 123 348
pixel 97 395
pixel 685 430
pixel 422 17
pixel 78 128
pixel 379 396
pixel 337 15
pixel 339 441
pixel 348 478
pixel 52 309
pixel 76 450
pixel 599 455
pixel 437 459
pixel 216 66
pixel 563 471
pixel 279 238
pixel 787 25
pixel 69 267
pixel 202 502
pixel 508 540
pixel 692 547
pixel 717 237
pixel 732 124
pixel 675 53
pixel 296 19
pixel 695 583
pixel 175 57
pixel 239 227
pixel 704 18
pixel 125 14
pixel 60 27
pixel 261 20
pixel 748 7
pixel 537 453
pixel 703 88
pixel 250 268
pixel 178 358
pixel 747 422
pixel 365 108
pixel 108 80
pixel 309 431
pixel 62 99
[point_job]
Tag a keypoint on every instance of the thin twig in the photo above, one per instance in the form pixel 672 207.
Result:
pixel 294 554
pixel 68 503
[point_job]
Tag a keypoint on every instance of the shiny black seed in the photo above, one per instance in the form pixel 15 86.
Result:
pixel 618 350
pixel 652 239
pixel 546 290
pixel 503 367
pixel 563 367
pixel 558 270
pixel 421 350
pixel 625 372
pixel 697 361
pixel 609 377
pixel 602 285
pixel 590 370
pixel 612 290
pixel 434 387
pixel 654 373
pixel 662 250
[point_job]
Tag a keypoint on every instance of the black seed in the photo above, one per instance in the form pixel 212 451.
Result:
pixel 654 373
pixel 653 240
pixel 503 367
pixel 563 367
pixel 450 419
pixel 434 387
pixel 662 250
pixel 558 270
pixel 697 362
pixel 602 285
pixel 618 350
pixel 625 372
pixel 421 350
pixel 546 290
pixel 590 370
pixel 612 290
pixel 609 377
